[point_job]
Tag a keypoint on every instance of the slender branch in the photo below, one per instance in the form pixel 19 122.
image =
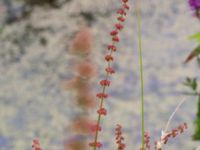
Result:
pixel 172 115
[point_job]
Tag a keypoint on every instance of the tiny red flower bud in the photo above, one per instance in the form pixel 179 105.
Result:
pixel 112 47
pixel 174 132
pixel 105 83
pixel 121 18
pixel 115 39
pixel 126 6
pixel 102 111
pixel 121 12
pixel 102 95
pixel 109 58
pixel 110 70
pixel 114 32
pixel 119 26
pixel 97 144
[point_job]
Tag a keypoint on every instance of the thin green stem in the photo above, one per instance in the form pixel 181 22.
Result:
pixel 141 75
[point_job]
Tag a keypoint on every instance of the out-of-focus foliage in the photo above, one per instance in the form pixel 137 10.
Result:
pixel 191 83
pixel 20 9
pixel 195 37
pixel 53 3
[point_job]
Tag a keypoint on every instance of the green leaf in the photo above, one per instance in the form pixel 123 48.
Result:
pixel 195 37
pixel 191 83
pixel 194 84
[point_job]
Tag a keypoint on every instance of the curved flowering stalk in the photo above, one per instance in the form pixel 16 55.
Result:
pixel 109 70
pixel 172 134
pixel 165 135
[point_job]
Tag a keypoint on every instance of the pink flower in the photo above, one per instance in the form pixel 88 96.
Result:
pixel 82 43
pixel 86 69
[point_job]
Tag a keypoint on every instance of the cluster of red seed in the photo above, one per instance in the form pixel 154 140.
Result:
pixel 119 138
pixel 36 145
pixel 146 141
pixel 122 12
pixel 172 134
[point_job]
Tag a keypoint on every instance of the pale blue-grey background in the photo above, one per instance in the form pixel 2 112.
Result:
pixel 33 102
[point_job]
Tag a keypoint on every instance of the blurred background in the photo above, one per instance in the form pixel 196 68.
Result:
pixel 37 69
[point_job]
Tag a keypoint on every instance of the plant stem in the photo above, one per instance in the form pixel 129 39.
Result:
pixel 172 115
pixel 100 106
pixel 99 116
pixel 141 74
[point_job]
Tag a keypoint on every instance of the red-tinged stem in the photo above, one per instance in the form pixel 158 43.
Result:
pixel 101 106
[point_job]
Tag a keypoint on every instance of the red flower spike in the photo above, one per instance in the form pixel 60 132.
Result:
pixel 126 6
pixel 102 111
pixel 119 26
pixel 109 58
pixel 115 39
pixel 121 12
pixel 105 83
pixel 172 134
pixel 110 70
pixel 114 32
pixel 121 18
pixel 97 144
pixel 102 95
